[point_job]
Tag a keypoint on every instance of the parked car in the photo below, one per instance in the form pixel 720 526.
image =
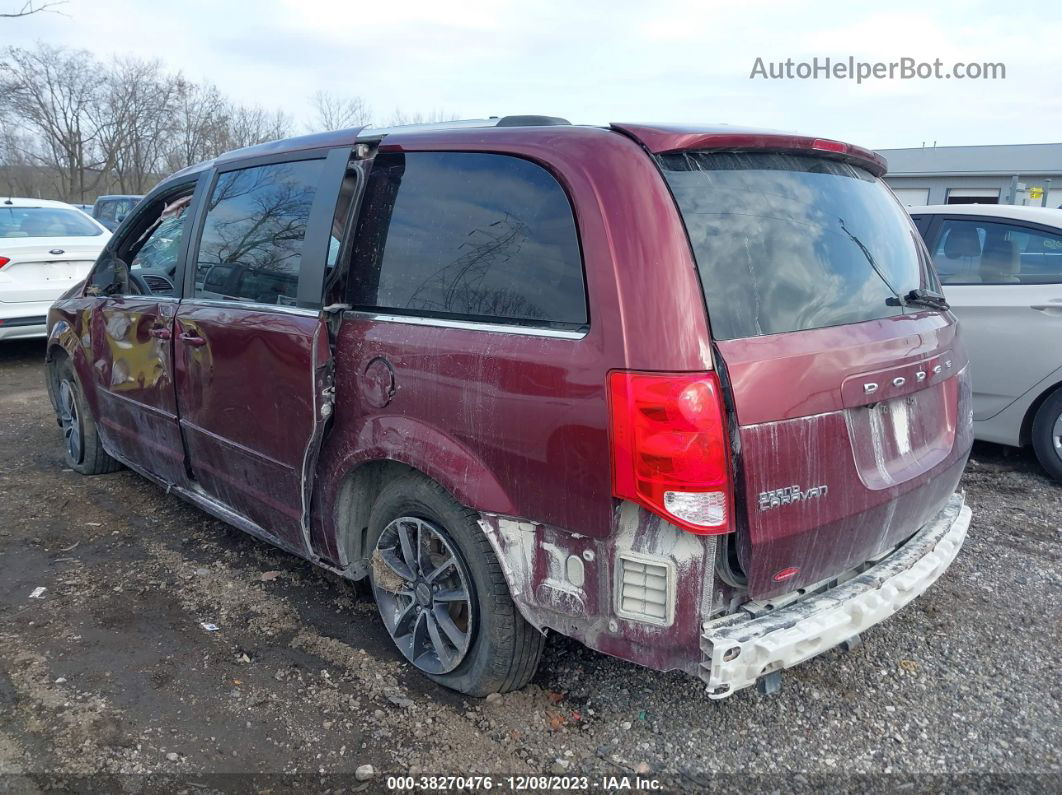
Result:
pixel 46 247
pixel 112 210
pixel 1001 267
pixel 686 394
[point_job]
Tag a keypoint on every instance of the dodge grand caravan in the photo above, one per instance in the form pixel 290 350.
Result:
pixel 689 395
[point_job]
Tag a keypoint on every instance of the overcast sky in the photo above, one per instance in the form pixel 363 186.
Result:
pixel 598 61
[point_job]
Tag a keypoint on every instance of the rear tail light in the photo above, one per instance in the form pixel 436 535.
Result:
pixel 4 261
pixel 670 448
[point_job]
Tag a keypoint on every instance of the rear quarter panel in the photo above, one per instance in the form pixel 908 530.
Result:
pixel 516 424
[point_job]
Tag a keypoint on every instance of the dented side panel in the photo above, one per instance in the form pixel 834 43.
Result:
pixel 248 406
pixel 132 367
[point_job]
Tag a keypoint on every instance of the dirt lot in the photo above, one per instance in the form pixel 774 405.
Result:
pixel 111 672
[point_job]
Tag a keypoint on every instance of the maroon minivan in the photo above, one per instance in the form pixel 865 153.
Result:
pixel 689 395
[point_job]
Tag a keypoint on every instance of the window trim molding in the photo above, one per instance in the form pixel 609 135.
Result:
pixel 471 325
pixel 253 306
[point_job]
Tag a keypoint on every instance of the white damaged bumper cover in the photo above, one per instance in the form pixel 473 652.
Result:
pixel 739 648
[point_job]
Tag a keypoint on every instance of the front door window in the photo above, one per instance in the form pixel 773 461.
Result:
pixel 251 248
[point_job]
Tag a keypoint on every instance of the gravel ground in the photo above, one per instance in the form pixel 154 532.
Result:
pixel 112 673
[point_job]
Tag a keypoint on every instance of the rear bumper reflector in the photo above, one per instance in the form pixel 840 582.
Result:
pixel 738 649
pixel 13 322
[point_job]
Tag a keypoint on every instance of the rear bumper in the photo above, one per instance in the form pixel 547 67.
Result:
pixel 21 327
pixel 738 649
pixel 19 319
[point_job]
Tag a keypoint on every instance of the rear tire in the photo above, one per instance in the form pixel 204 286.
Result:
pixel 496 650
pixel 1047 435
pixel 84 451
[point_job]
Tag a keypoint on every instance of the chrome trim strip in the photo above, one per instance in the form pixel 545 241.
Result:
pixel 256 307
pixel 471 325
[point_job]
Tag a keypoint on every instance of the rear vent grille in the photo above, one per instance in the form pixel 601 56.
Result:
pixel 645 589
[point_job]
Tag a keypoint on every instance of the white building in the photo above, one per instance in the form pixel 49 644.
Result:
pixel 1004 174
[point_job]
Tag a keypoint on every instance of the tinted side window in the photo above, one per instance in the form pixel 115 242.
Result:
pixel 464 235
pixel 105 211
pixel 256 222
pixel 983 252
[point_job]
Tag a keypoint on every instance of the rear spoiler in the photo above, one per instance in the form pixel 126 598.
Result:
pixel 661 139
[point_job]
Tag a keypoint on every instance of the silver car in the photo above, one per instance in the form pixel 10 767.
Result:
pixel 1001 270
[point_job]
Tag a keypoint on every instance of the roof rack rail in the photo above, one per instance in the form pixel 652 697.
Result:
pixel 531 120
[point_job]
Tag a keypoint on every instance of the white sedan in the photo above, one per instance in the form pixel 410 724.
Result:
pixel 1001 270
pixel 46 247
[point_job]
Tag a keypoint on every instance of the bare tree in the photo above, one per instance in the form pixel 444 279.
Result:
pixel 30 7
pixel 200 125
pixel 338 113
pixel 250 125
pixel 400 117
pixel 72 128
pixel 141 104
pixel 57 94
pixel 18 175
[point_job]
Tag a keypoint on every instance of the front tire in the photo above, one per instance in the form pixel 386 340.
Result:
pixel 1047 435
pixel 442 594
pixel 84 451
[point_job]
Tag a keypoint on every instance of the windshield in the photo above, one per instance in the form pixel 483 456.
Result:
pixel 45 222
pixel 792 242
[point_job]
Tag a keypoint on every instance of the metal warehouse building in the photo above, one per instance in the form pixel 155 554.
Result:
pixel 1005 174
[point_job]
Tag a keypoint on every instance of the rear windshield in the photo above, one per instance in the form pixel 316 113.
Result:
pixel 792 242
pixel 45 222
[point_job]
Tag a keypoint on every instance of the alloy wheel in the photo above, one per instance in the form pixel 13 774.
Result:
pixel 1056 435
pixel 70 421
pixel 422 587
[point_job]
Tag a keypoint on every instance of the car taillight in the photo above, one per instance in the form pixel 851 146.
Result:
pixel 670 447
pixel 4 261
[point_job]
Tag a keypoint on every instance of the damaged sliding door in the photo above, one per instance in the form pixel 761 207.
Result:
pixel 252 351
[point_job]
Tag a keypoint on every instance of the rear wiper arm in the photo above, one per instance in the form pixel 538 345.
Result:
pixel 920 297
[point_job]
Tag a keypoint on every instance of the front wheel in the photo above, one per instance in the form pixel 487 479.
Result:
pixel 84 451
pixel 442 594
pixel 1047 435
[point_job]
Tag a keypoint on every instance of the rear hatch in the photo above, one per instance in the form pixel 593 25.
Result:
pixel 42 269
pixel 849 396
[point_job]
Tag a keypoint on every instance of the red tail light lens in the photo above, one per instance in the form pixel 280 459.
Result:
pixel 670 448
pixel 4 261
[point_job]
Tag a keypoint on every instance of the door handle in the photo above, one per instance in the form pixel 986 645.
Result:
pixel 192 339
pixel 1050 309
pixel 160 332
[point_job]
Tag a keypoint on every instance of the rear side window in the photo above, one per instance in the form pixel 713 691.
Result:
pixel 789 242
pixel 470 236
pixel 977 251
pixel 251 247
